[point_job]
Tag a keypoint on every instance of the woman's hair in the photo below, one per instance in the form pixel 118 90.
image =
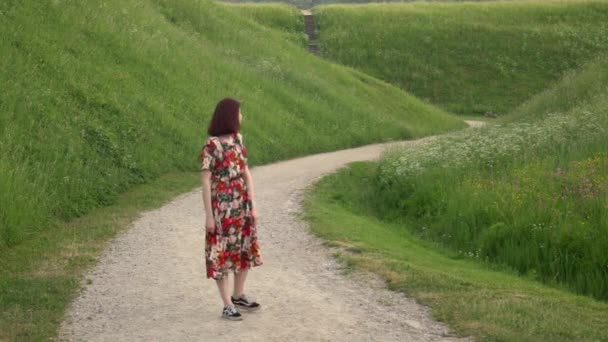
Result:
pixel 225 119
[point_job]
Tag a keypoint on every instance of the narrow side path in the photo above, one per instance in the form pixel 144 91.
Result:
pixel 150 284
pixel 309 27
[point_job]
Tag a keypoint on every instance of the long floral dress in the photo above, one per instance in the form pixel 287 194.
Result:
pixel 233 246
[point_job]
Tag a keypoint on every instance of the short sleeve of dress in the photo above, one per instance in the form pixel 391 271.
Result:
pixel 207 156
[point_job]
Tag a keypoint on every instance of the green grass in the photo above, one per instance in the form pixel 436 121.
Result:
pixel 39 277
pixel 105 97
pixel 474 298
pixel 282 17
pixel 531 196
pixel 301 4
pixel 307 4
pixel 100 99
pixel 468 57
pixel 100 96
pixel 576 88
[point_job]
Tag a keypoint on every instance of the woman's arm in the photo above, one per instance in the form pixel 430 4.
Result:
pixel 209 220
pixel 250 192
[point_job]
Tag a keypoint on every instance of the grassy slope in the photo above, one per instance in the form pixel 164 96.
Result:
pixel 307 4
pixel 473 299
pixel 466 57
pixel 494 209
pixel 303 4
pixel 531 195
pixel 102 95
pixel 40 276
pixel 575 89
pixel 282 17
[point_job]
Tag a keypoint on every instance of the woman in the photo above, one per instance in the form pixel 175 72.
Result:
pixel 228 196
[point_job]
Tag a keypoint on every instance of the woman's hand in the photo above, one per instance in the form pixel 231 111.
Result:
pixel 209 221
pixel 210 225
pixel 254 217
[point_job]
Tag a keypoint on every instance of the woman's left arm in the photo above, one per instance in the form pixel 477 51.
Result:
pixel 250 193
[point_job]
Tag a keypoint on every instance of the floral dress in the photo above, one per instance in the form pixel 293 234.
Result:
pixel 233 246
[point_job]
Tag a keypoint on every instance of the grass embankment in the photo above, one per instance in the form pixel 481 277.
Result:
pixel 39 277
pixel 472 298
pixel 528 198
pixel 104 95
pixel 301 4
pixel 468 58
pixel 101 96
pixel 282 17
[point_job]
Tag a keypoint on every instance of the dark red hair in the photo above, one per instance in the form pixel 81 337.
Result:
pixel 225 119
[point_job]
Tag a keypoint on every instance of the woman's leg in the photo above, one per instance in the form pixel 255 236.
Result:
pixel 239 283
pixel 224 286
pixel 240 299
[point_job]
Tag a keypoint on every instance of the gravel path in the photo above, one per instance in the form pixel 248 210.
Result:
pixel 150 284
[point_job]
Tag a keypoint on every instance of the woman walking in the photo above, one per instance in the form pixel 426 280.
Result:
pixel 228 196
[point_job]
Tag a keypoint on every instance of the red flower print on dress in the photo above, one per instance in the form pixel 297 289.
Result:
pixel 234 246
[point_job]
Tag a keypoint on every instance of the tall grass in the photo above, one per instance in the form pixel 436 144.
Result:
pixel 531 195
pixel 307 4
pixel 99 96
pixel 468 58
pixel 282 17
pixel 302 4
pixel 476 299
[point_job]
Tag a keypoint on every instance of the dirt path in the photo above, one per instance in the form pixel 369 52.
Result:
pixel 150 284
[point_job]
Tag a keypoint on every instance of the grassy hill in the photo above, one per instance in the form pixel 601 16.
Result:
pixel 101 95
pixel 505 207
pixel 307 4
pixel 103 111
pixel 281 17
pixel 468 58
pixel 530 195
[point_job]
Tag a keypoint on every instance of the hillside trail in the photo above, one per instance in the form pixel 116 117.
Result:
pixel 309 29
pixel 150 285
